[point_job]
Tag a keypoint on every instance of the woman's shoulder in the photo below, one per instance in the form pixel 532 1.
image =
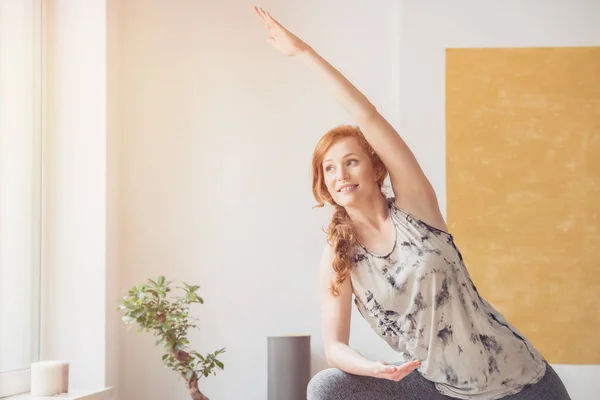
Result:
pixel 426 215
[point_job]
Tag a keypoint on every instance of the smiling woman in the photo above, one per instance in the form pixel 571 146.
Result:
pixel 395 258
pixel 20 161
pixel 344 163
pixel 347 173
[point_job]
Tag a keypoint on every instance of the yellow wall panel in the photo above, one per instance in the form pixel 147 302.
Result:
pixel 523 182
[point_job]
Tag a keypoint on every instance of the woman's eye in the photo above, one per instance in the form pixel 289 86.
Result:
pixel 328 168
pixel 352 161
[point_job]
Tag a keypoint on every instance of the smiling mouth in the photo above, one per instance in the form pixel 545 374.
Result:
pixel 346 189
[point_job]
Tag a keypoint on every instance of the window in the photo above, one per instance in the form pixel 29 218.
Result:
pixel 20 191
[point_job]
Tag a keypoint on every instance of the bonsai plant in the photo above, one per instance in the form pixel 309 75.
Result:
pixel 168 318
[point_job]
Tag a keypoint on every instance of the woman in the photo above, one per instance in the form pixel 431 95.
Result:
pixel 402 266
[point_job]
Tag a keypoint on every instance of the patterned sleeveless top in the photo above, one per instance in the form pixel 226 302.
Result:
pixel 420 299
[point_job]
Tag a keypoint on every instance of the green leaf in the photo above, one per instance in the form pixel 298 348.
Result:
pixel 169 320
pixel 171 316
pixel 138 313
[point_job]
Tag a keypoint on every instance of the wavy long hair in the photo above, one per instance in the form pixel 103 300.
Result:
pixel 341 233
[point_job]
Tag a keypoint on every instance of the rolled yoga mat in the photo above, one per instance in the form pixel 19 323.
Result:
pixel 288 366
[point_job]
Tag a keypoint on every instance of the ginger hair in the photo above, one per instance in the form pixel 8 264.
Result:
pixel 341 233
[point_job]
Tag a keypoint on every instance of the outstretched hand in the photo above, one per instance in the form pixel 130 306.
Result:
pixel 279 37
pixel 394 372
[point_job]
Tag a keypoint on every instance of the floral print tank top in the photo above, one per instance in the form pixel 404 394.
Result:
pixel 420 299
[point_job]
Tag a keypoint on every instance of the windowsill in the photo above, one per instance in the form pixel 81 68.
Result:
pixel 102 394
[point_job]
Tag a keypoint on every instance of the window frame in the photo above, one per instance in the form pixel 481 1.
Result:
pixel 19 381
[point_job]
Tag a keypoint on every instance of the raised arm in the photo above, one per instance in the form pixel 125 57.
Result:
pixel 413 190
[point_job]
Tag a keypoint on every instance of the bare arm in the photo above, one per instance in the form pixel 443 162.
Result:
pixel 342 90
pixel 413 190
pixel 335 316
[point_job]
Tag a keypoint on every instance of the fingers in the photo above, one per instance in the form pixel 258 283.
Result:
pixel 398 372
pixel 262 14
pixel 273 21
pixel 390 369
pixel 261 17
pixel 410 365
pixel 405 369
pixel 267 19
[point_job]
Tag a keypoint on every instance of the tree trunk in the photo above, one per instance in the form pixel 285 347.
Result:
pixel 195 393
pixel 192 385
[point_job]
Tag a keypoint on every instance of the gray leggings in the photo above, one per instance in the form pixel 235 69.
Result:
pixel 334 384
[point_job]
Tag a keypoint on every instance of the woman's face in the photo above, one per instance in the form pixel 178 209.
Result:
pixel 348 172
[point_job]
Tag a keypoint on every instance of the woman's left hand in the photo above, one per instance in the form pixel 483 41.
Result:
pixel 282 39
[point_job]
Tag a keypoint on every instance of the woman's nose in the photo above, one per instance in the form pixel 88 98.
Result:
pixel 343 175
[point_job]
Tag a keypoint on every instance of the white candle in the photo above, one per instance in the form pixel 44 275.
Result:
pixel 45 378
pixel 64 376
pixel 56 373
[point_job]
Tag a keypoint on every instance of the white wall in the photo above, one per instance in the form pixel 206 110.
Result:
pixel 217 134
pixel 113 140
pixel 428 28
pixel 218 131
